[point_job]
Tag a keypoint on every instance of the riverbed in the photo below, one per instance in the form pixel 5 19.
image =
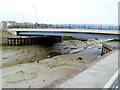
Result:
pixel 12 55
pixel 32 71
pixel 46 72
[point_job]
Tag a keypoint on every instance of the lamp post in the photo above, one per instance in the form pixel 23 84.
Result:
pixel 35 13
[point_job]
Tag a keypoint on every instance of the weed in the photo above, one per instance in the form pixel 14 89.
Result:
pixel 51 66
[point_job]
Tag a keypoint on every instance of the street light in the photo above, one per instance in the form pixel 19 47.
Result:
pixel 36 13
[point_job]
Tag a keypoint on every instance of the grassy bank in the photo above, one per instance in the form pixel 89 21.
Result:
pixel 4 33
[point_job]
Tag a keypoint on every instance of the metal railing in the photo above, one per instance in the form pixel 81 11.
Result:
pixel 69 26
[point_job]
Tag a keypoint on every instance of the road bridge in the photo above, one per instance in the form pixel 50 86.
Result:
pixel 95 33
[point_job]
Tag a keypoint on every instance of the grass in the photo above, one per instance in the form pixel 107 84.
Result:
pixel 4 33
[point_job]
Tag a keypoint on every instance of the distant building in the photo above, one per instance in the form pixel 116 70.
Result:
pixel 1 25
pixel 13 24
pixel 6 24
pixel 24 25
pixel 28 23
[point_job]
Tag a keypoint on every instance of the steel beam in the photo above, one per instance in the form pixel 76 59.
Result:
pixel 78 34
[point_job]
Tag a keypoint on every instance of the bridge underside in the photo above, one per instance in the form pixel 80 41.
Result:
pixel 78 34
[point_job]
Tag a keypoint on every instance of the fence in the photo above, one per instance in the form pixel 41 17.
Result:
pixel 69 26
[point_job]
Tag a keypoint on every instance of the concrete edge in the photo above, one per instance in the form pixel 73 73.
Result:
pixel 74 74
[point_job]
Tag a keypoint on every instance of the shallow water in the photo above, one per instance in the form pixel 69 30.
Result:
pixel 92 52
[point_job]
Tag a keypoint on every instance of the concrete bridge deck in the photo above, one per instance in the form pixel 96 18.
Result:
pixel 96 33
pixel 70 30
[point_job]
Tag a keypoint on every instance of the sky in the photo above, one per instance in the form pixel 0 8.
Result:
pixel 60 11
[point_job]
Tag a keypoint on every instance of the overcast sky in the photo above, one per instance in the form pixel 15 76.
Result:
pixel 60 11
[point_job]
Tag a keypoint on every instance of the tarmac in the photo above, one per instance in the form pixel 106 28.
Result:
pixel 96 76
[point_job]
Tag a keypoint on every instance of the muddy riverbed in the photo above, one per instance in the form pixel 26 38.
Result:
pixel 48 71
pixel 12 55
pixel 39 66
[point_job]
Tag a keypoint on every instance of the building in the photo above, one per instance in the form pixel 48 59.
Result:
pixel 6 24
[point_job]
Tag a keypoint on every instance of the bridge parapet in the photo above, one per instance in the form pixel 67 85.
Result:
pixel 70 26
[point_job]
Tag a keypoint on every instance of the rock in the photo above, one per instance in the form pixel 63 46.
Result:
pixel 80 58
pixel 37 61
pixel 65 47
pixel 98 56
pixel 48 56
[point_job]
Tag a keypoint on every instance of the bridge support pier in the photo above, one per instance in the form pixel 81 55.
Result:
pixel 45 40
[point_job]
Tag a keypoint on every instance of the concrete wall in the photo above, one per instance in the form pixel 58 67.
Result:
pixel 105 49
